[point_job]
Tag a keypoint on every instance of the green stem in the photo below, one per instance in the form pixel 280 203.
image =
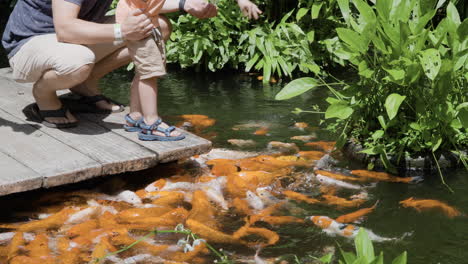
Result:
pixel 440 173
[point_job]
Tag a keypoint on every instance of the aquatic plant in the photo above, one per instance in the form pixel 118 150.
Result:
pixel 411 94
pixel 364 253
pixel 179 229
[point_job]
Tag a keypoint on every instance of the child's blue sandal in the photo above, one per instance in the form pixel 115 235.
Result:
pixel 146 132
pixel 132 124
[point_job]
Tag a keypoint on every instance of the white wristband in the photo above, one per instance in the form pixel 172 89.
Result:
pixel 118 38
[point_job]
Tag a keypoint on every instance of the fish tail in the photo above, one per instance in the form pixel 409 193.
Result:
pixel 416 179
pixel 375 205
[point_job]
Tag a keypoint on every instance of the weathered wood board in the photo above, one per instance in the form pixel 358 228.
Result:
pixel 34 156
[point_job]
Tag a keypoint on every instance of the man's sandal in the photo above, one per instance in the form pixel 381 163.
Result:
pixel 87 104
pixel 41 115
pixel 132 124
pixel 146 133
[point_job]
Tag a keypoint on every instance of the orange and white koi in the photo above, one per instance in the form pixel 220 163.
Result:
pixel 334 228
pixel 329 181
pixel 426 204
pixel 305 138
pixel 283 147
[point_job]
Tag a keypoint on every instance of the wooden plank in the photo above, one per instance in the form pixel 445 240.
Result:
pixel 167 151
pixel 16 177
pixel 55 162
pixel 115 153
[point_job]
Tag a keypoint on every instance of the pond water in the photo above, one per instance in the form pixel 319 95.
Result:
pixel 241 101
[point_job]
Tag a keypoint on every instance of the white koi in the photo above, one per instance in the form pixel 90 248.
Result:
pixel 254 201
pixel 329 181
pixel 83 215
pixel 6 237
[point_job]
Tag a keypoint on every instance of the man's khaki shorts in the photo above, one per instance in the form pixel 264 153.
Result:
pixel 148 55
pixel 45 52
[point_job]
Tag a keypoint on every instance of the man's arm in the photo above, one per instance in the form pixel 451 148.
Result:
pixel 71 29
pixel 197 8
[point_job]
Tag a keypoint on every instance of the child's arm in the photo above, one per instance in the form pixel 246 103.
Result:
pixel 249 9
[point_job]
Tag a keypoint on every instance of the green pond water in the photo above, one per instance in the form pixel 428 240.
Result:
pixel 234 99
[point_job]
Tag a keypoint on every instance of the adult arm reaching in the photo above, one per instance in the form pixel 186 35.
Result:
pixel 249 9
pixel 71 29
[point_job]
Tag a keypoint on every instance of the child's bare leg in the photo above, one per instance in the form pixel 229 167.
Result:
pixel 148 91
pixel 135 106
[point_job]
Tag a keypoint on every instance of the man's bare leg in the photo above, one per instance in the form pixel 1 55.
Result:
pixel 90 87
pixel 44 90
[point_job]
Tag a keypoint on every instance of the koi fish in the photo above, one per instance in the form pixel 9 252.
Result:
pixel 340 177
pixel 423 204
pixel 326 146
pixel 301 125
pixel 262 131
pixel 305 138
pixel 341 202
pixel 254 201
pixel 242 142
pixel 329 181
pixel 333 228
pixel 383 176
pixel 351 217
pixel 284 147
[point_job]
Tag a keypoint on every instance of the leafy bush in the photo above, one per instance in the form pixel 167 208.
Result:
pixel 411 95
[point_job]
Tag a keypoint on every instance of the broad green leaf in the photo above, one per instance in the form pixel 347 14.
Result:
pixel 440 3
pixel 400 259
pixel 370 151
pixel 345 11
pixel 383 8
pixel 392 104
pixel 452 13
pixel 379 259
pixel 364 248
pixel 327 258
pixel 316 10
pixel 377 134
pixel 396 74
pixel 297 87
pixel 301 13
pixel 311 36
pixel 366 12
pixel 463 117
pixel 267 70
pixel 463 30
pixel 349 257
pixel 339 110
pixel 251 62
pixel 436 145
pixel 431 62
pixel 355 41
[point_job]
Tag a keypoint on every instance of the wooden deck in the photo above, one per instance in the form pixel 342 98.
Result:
pixel 33 156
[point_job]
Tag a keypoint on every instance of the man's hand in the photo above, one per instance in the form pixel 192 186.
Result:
pixel 200 8
pixel 136 26
pixel 249 9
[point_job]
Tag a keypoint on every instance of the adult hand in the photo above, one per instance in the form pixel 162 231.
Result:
pixel 136 26
pixel 200 8
pixel 249 9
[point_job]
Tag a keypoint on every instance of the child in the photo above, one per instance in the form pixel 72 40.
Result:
pixel 148 55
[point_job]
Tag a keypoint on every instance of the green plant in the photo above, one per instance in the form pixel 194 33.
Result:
pixel 364 253
pixel 411 95
pixel 179 229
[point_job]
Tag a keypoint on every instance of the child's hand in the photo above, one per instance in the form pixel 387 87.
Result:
pixel 249 9
pixel 200 8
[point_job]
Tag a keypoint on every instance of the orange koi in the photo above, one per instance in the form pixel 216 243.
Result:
pixel 169 199
pixel 300 197
pixel 210 234
pixel 223 169
pixel 39 247
pixel 270 236
pixel 340 177
pixel 15 245
pixel 425 204
pixel 262 131
pixel 241 206
pixel 25 260
pixel 52 222
pixel 67 255
pixel 130 214
pixel 351 217
pixel 326 146
pixel 301 125
pixel 312 154
pixel 82 228
pixel 242 142
pixel 382 176
pixel 202 210
pixel 341 202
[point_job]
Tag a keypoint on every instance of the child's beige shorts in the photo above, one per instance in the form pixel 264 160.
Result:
pixel 148 55
pixel 44 52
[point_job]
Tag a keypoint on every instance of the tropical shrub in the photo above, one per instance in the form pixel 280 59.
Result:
pixel 411 94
